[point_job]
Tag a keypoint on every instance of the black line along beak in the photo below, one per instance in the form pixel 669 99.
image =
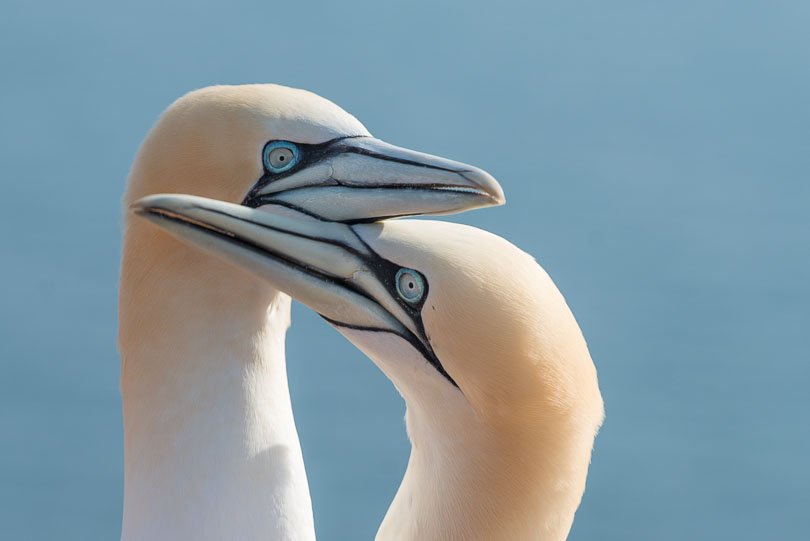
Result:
pixel 324 265
pixel 362 179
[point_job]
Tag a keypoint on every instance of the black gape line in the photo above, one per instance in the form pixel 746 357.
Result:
pixel 384 270
pixel 311 154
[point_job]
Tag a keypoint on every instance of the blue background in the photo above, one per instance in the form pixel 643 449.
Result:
pixel 655 156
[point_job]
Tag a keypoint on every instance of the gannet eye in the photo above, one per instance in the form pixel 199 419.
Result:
pixel 410 285
pixel 280 156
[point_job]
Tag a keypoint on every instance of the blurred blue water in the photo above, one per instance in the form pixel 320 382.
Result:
pixel 656 162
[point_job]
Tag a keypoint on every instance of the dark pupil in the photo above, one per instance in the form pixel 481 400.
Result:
pixel 281 158
pixel 410 285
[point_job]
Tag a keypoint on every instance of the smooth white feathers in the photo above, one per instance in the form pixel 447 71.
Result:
pixel 211 449
pixel 209 142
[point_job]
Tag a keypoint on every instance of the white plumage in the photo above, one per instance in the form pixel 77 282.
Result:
pixel 503 402
pixel 211 449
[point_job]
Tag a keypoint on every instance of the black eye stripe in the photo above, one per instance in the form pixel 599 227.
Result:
pixel 311 154
pixel 307 154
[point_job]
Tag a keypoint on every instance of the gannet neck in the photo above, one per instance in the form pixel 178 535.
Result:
pixel 470 477
pixel 473 482
pixel 211 448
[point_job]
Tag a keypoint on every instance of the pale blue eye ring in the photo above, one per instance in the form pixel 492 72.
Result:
pixel 410 285
pixel 280 156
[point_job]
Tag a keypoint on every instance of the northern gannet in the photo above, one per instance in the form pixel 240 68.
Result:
pixel 502 397
pixel 211 448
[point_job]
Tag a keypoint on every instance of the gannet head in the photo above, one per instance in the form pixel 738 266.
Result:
pixel 443 309
pixel 264 143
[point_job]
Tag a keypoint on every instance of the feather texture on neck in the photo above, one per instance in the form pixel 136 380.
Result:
pixel 211 449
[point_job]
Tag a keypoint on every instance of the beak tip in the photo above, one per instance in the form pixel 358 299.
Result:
pixel 487 183
pixel 498 197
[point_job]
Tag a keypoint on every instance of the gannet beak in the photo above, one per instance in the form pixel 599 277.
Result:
pixel 325 265
pixel 357 179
